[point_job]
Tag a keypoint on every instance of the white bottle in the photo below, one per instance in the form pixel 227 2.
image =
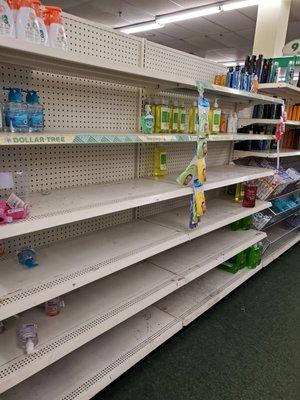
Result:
pixel 28 337
pixel 7 25
pixel 232 124
pixel 42 27
pixel 27 26
pixel 57 33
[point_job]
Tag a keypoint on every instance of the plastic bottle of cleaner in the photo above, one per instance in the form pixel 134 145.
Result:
pixel 181 119
pixel 35 112
pixel 193 118
pixel 28 337
pixel 147 121
pixel 160 161
pixel 42 26
pixel 15 112
pixel 174 118
pixel 27 26
pixel 254 255
pixel 14 6
pixel 7 25
pixel 163 117
pixel 57 33
pixel 215 118
pixel 229 74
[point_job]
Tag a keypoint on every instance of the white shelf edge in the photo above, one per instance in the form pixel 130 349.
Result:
pixel 266 154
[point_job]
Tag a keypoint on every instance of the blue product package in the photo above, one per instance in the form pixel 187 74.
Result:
pixel 27 257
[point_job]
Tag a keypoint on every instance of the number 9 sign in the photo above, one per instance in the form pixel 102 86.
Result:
pixel 292 48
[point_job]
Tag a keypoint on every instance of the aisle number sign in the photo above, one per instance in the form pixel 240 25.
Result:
pixel 292 48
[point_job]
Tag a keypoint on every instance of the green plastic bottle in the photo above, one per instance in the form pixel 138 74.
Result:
pixel 234 264
pixel 147 120
pixel 246 223
pixel 254 255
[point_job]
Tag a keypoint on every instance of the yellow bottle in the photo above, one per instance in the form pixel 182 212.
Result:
pixel 214 118
pixel 174 118
pixel 182 119
pixel 160 161
pixel 162 117
pixel 193 119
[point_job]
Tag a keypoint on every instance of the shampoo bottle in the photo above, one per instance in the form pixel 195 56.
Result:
pixel 228 82
pixel 7 25
pixel 215 118
pixel 42 27
pixel 35 112
pixel 160 161
pixel 15 112
pixel 57 33
pixel 27 26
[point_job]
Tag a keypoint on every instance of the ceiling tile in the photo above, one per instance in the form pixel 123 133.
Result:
pixel 250 12
pixel 156 7
pixel 232 20
pixel 293 31
pixel 203 43
pixel 177 31
pixel 230 39
pixel 247 34
pixel 194 3
pixel 295 12
pixel 202 26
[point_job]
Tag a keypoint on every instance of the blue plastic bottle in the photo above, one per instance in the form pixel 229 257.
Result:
pixel 236 77
pixel 35 112
pixel 229 77
pixel 15 112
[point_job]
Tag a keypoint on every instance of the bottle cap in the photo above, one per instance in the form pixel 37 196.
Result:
pixel 14 4
pixel 216 105
pixel 54 14
pixel 32 97
pixel 36 4
pixel 29 346
pixel 26 3
pixel 14 95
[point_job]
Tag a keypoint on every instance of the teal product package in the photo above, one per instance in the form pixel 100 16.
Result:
pixel 203 112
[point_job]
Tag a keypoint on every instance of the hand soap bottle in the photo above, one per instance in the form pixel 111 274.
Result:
pixel 35 112
pixel 57 33
pixel 7 25
pixel 215 118
pixel 147 121
pixel 27 25
pixel 15 112
pixel 160 161
pixel 42 27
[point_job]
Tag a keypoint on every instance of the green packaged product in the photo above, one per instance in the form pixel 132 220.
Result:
pixel 246 223
pixel 235 263
pixel 254 255
pixel 235 226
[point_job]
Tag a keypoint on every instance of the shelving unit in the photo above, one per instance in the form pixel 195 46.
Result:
pixel 266 153
pixel 264 121
pixel 110 238
pixel 281 89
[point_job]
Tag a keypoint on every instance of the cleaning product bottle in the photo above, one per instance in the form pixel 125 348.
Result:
pixel 27 25
pixel 289 73
pixel 239 191
pixel 15 112
pixel 228 82
pixel 174 118
pixel 7 25
pixel 232 123
pixel 147 121
pixel 14 6
pixel 42 26
pixel 160 161
pixel 254 255
pixel 182 118
pixel 35 112
pixel 193 118
pixel 28 337
pixel 255 83
pixel 215 118
pixel 57 33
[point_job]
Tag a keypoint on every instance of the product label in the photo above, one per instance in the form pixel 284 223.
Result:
pixel 61 40
pixel 165 118
pixel 196 125
pixel 216 122
pixel 163 161
pixel 37 120
pixel 182 122
pixel 5 26
pixel 175 116
pixel 18 121
pixel 32 31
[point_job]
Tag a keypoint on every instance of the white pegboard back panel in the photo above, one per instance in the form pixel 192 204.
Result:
pixel 165 59
pixel 65 232
pixel 90 38
pixel 54 167
pixel 77 104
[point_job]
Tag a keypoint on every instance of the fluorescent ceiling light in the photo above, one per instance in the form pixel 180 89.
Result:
pixel 239 4
pixel 148 26
pixel 188 14
pixel 233 63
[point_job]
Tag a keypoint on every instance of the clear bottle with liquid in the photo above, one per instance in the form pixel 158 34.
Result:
pixel 147 121
pixel 27 26
pixel 35 112
pixel 162 117
pixel 182 119
pixel 28 337
pixel 193 119
pixel 160 161
pixel 174 114
pixel 15 112
pixel 7 25
pixel 215 118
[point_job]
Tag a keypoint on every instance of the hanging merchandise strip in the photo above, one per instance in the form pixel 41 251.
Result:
pixel 195 173
pixel 280 131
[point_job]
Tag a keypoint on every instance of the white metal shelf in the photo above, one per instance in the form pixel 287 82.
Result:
pixel 281 89
pixel 266 153
pixel 98 307
pixel 225 175
pixel 280 246
pixel 86 371
pixel 27 54
pixel 200 255
pixel 264 121
pixel 293 123
pixel 64 206
pixel 221 212
pixel 68 265
pixel 89 312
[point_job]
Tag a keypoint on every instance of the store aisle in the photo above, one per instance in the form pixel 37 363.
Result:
pixel 244 348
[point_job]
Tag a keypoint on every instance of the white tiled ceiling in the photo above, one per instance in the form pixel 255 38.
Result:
pixel 222 37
